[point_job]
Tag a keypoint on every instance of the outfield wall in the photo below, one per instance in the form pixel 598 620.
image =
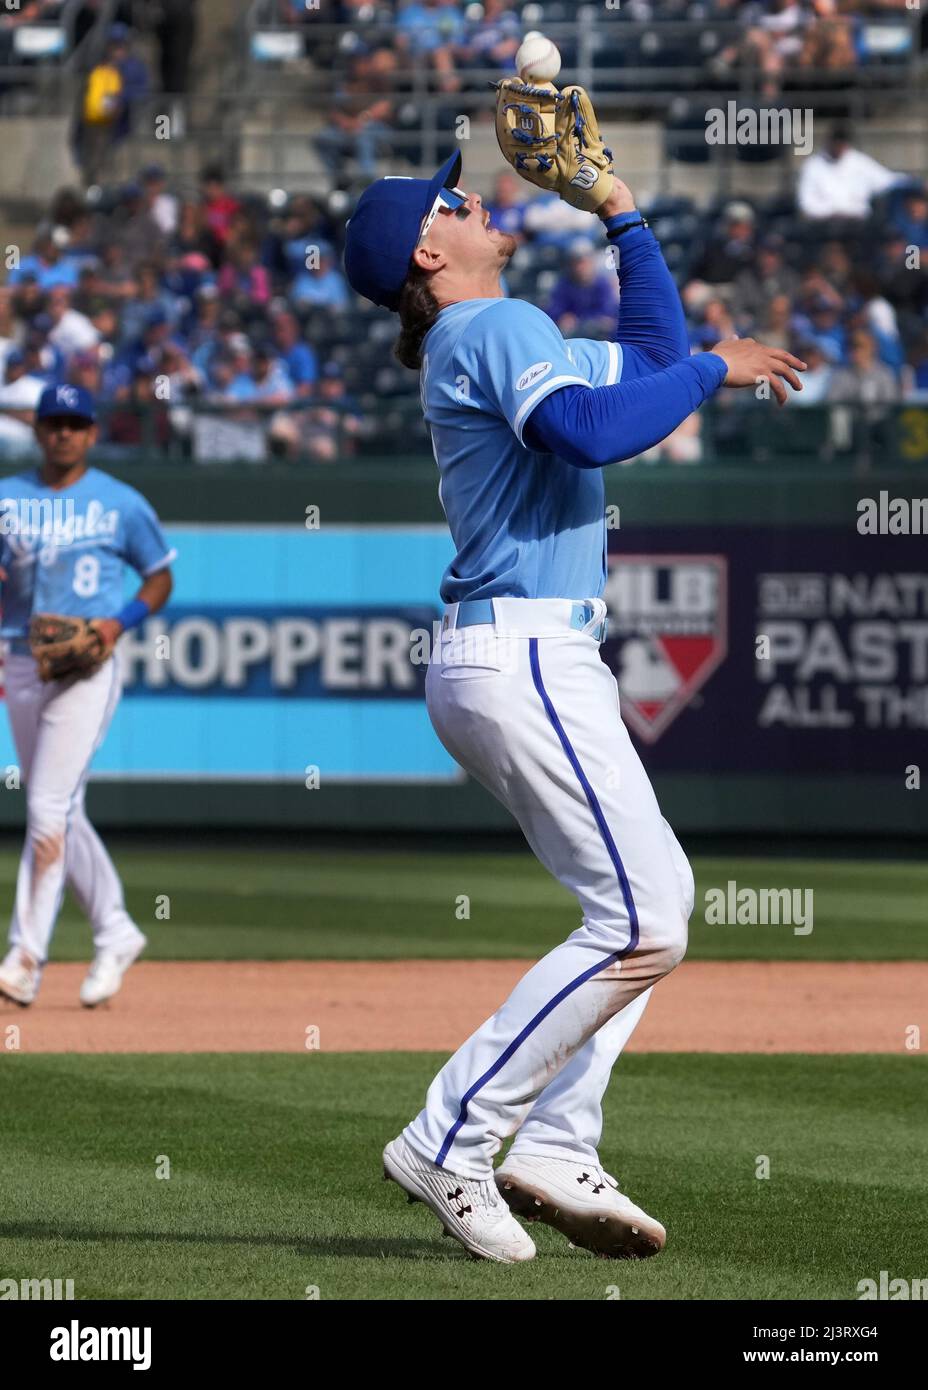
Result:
pixel 289 697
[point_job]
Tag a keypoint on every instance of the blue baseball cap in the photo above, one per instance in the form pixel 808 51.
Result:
pixel 384 229
pixel 72 401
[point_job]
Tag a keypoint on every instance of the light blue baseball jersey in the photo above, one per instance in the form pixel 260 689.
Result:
pixel 66 551
pixel 524 524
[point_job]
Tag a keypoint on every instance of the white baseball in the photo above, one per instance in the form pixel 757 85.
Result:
pixel 537 59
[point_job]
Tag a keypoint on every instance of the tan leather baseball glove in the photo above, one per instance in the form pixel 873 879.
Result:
pixel 552 139
pixel 64 646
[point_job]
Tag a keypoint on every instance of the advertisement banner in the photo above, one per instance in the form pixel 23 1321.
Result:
pixel 770 649
pixel 284 655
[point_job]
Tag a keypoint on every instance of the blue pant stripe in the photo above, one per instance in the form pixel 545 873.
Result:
pixel 591 797
pixel 594 969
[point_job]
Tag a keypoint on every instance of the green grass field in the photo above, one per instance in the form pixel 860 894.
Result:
pixel 275 1160
pixel 275 1179
pixel 284 905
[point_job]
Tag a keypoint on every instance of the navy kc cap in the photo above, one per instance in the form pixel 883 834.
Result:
pixel 72 401
pixel 384 229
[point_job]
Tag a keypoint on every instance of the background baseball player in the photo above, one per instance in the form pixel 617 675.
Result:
pixel 69 531
pixel 521 423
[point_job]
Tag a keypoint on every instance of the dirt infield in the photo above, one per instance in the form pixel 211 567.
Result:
pixel 372 1006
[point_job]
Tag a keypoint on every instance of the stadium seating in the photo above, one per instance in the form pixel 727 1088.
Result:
pixel 642 60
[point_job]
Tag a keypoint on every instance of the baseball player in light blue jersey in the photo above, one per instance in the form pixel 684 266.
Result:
pixel 67 534
pixel 521 422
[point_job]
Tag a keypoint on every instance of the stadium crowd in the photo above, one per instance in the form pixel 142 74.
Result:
pixel 157 304
pixel 453 37
pixel 221 325
pixel 387 51
pixel 229 321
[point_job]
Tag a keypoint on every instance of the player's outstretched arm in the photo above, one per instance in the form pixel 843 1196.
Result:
pixel 590 426
pixel 593 426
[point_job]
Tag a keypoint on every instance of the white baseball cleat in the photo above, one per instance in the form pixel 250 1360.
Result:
pixel 470 1210
pixel 107 968
pixel 582 1202
pixel 19 977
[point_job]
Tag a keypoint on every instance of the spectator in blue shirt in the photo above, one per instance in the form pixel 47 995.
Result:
pixel 822 322
pixel 149 296
pixel 911 221
pixel 424 26
pixel 816 379
pixel 493 41
pixel 85 370
pixel 303 224
pixel 156 329
pixel 324 286
pixel 217 330
pixel 272 381
pixel 203 324
pixel 43 358
pixel 432 29
pixel 79 244
pixel 134 74
pixel 297 356
pixel 586 294
pixel 47 265
pixel 231 373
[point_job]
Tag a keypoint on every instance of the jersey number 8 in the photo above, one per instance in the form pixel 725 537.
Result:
pixel 86 576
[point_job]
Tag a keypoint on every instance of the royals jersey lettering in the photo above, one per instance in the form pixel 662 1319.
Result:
pixel 64 551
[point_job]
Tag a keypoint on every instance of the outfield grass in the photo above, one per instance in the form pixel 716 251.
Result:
pixel 348 904
pixel 275 1178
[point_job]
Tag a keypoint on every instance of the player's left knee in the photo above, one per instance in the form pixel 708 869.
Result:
pixel 47 849
pixel 668 942
pixel 46 829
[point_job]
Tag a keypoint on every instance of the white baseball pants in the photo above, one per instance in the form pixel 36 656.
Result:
pixel 528 708
pixel 57 727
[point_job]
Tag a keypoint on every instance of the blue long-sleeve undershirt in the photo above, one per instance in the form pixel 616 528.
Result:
pixel 661 384
pixel 593 425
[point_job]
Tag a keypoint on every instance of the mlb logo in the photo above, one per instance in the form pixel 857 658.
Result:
pixel 668 632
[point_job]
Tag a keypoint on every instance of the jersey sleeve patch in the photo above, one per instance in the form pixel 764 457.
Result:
pixel 536 373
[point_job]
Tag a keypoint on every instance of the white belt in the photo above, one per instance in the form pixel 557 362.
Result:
pixel 530 617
